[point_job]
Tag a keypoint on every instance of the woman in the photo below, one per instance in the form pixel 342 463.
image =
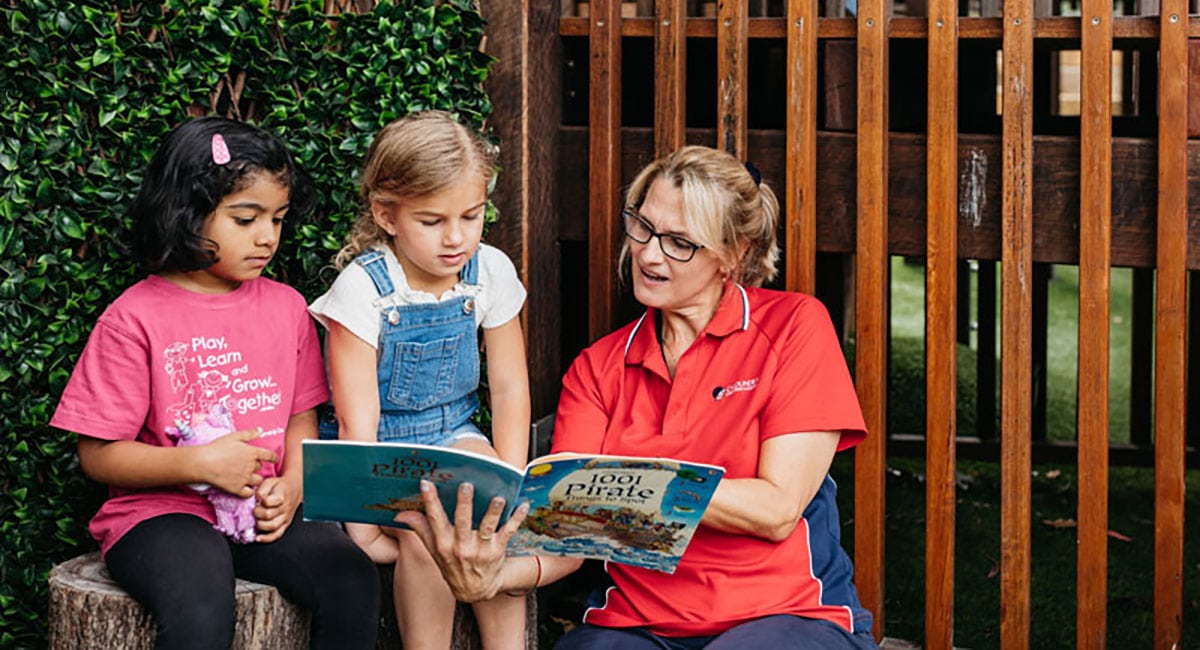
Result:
pixel 716 371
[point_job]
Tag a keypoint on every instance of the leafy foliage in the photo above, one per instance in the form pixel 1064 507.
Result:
pixel 87 89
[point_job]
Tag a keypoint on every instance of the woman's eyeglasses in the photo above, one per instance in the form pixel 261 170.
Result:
pixel 673 246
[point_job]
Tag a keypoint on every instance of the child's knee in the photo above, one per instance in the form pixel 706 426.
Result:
pixel 412 551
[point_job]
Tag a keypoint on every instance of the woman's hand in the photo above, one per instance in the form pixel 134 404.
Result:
pixel 278 499
pixel 471 561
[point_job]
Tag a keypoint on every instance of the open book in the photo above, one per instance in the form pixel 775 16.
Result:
pixel 636 511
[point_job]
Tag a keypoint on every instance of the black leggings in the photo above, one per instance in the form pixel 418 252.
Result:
pixel 182 570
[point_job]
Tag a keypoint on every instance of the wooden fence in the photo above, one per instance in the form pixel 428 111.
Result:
pixel 870 164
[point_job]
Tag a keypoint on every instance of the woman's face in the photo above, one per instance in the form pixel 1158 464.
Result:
pixel 692 287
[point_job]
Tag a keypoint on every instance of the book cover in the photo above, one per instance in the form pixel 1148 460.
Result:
pixel 369 482
pixel 632 510
pixel 636 511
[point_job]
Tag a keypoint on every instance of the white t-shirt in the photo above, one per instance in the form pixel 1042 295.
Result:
pixel 354 302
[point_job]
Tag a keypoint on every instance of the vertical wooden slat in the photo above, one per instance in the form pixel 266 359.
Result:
pixel 941 297
pixel 604 155
pixel 800 194
pixel 733 53
pixel 1017 287
pixel 670 79
pixel 1170 399
pixel 870 303
pixel 1095 224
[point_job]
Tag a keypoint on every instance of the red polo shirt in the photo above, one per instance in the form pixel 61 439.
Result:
pixel 767 364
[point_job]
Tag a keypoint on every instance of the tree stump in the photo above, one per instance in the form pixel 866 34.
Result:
pixel 89 610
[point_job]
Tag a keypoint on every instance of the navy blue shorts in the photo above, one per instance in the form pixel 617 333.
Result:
pixel 781 631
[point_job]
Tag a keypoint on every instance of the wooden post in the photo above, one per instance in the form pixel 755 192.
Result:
pixel 733 54
pixel 1017 288
pixel 670 79
pixel 871 302
pixel 524 88
pixel 941 293
pixel 800 185
pixel 1095 226
pixel 89 610
pixel 1170 385
pixel 604 163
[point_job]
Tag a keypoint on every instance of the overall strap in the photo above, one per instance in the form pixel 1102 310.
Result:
pixel 375 265
pixel 470 271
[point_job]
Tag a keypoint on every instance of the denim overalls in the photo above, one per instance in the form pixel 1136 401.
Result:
pixel 428 361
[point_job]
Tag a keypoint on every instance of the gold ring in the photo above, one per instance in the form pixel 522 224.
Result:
pixel 486 537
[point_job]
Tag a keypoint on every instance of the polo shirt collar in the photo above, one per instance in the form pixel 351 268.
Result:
pixel 733 315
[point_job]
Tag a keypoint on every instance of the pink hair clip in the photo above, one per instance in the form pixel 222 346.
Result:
pixel 220 152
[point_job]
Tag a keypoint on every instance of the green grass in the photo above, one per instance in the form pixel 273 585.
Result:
pixel 908 332
pixel 1054 498
pixel 977 554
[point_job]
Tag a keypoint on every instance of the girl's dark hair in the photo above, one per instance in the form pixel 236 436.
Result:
pixel 184 184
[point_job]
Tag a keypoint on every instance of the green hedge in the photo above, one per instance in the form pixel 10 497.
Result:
pixel 86 91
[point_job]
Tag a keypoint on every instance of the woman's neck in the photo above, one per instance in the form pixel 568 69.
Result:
pixel 678 329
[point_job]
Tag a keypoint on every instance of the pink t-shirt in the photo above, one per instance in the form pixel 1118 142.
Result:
pixel 161 353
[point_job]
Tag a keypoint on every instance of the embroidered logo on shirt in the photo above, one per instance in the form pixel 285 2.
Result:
pixel 721 392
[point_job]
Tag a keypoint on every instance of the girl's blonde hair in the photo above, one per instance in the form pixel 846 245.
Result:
pixel 417 155
pixel 725 208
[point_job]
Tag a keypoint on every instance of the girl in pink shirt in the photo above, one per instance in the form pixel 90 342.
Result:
pixel 206 346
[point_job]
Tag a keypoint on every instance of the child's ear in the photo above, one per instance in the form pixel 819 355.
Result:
pixel 382 214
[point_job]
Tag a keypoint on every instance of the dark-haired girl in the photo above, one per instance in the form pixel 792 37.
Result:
pixel 206 334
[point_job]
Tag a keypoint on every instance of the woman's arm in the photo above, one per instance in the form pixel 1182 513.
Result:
pixel 508 388
pixel 473 562
pixel 227 463
pixel 279 496
pixel 791 469
pixel 355 386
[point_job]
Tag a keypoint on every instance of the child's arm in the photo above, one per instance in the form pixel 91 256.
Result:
pixel 508 385
pixel 354 383
pixel 227 463
pixel 279 496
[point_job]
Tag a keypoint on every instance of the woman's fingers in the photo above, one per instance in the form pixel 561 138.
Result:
pixel 515 520
pixel 463 513
pixel 491 520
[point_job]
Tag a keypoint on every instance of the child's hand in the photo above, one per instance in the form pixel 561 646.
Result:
pixel 380 547
pixel 230 464
pixel 277 503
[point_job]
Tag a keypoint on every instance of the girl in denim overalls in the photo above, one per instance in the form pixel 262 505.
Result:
pixel 415 287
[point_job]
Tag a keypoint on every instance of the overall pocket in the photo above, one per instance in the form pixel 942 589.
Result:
pixel 423 374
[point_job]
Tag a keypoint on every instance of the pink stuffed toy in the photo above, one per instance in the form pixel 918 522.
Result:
pixel 235 515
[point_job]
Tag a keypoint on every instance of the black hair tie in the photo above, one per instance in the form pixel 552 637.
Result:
pixel 754 173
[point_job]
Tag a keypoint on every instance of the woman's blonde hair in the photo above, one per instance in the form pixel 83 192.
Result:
pixel 414 156
pixel 726 208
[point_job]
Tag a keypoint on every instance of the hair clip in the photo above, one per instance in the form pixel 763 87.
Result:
pixel 220 152
pixel 754 173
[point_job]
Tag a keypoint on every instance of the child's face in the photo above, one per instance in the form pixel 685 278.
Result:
pixel 433 236
pixel 245 226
